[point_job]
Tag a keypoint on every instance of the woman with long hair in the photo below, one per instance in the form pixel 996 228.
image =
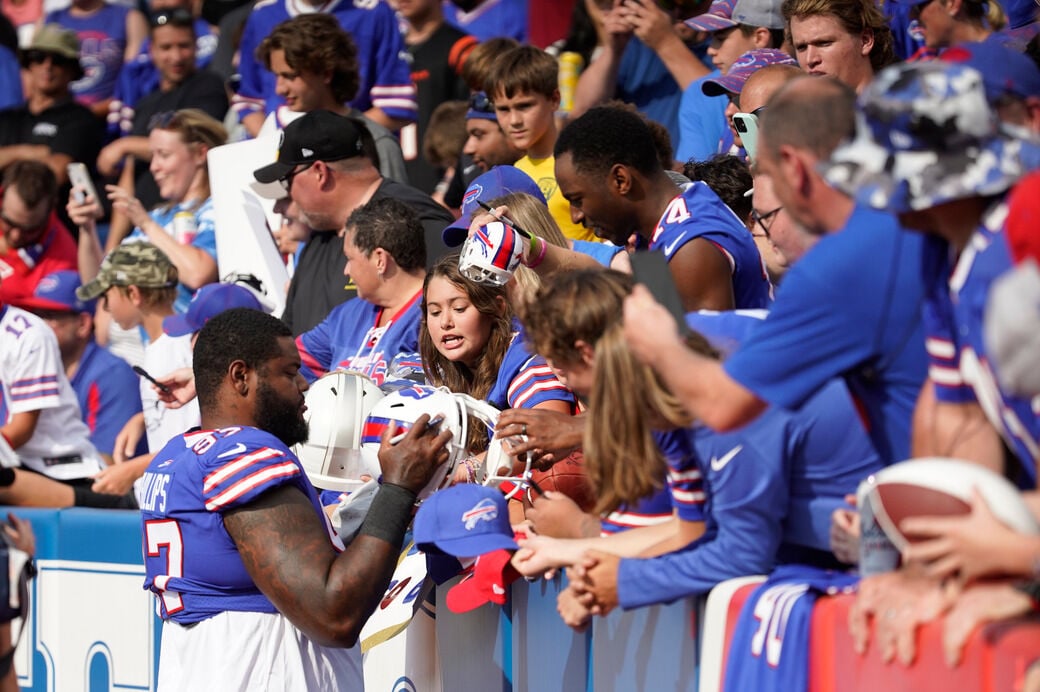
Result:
pixel 750 499
pixel 470 343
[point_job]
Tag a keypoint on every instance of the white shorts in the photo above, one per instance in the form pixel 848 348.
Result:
pixel 252 651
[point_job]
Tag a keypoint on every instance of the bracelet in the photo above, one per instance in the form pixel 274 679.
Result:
pixel 541 255
pixel 389 515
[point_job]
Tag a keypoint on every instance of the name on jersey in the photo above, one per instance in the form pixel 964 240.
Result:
pixel 153 497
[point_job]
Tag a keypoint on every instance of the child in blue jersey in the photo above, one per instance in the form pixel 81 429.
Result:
pixel 743 501
pixel 386 261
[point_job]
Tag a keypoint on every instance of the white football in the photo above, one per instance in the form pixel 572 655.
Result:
pixel 937 486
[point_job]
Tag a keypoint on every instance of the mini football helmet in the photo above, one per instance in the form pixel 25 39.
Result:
pixel 492 254
pixel 338 405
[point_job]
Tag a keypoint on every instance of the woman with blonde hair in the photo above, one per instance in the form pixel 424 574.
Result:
pixel 743 501
pixel 183 225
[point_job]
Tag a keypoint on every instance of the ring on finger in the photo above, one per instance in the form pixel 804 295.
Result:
pixel 523 429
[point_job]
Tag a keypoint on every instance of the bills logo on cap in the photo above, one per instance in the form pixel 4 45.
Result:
pixel 472 195
pixel 485 510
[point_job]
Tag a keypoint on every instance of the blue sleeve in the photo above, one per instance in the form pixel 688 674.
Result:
pixel 815 331
pixel 315 348
pixel 250 95
pixel 245 472
pixel 119 399
pixel 10 80
pixel 391 88
pixel 747 502
pixel 702 122
pixel 536 384
pixel 205 234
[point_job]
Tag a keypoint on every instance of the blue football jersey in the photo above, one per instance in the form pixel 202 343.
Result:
pixel 385 79
pixel 769 649
pixel 350 339
pixel 698 212
pixel 191 563
pixel 958 362
pixel 525 380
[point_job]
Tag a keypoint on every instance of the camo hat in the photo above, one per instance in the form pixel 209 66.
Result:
pixel 925 135
pixel 130 264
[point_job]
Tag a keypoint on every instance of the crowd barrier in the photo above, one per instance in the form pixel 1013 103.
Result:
pixel 92 627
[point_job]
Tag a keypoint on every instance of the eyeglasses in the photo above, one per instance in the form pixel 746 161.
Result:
pixel 764 221
pixel 480 102
pixel 287 181
pixel 37 57
pixel 30 232
pixel 179 17
pixel 758 111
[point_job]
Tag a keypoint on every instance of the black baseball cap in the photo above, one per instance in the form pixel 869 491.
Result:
pixel 316 136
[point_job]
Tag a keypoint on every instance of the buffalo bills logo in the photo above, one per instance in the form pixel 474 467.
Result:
pixel 483 242
pixel 471 196
pixel 416 392
pixel 485 510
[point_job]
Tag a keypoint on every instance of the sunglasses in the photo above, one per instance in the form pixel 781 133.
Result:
pixel 28 231
pixel 36 57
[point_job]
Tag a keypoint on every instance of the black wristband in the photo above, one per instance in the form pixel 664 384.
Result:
pixel 1030 588
pixel 6 476
pixel 389 515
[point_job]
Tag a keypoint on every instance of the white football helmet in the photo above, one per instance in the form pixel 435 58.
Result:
pixel 492 254
pixel 338 405
pixel 406 405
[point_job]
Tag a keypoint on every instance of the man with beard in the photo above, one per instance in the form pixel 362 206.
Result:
pixel 255 587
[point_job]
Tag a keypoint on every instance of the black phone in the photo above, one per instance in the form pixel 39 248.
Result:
pixel 650 268
pixel 144 373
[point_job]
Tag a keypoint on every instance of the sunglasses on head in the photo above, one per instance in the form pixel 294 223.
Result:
pixel 481 103
pixel 177 17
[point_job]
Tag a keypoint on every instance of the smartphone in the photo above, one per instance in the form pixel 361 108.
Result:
pixel 746 125
pixel 144 373
pixel 650 268
pixel 79 176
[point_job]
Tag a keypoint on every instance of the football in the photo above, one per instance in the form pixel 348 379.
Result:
pixel 936 486
pixel 568 477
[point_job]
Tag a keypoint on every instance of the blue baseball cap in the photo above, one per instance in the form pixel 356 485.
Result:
pixel 499 181
pixel 926 135
pixel 465 520
pixel 481 108
pixel 56 293
pixel 1004 71
pixel 742 68
pixel 208 302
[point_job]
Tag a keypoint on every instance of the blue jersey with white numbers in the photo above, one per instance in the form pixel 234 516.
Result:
pixel 769 648
pixel 350 338
pixel 385 80
pixel 191 563
pixel 697 212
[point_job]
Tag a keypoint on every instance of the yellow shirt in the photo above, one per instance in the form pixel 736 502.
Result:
pixel 543 172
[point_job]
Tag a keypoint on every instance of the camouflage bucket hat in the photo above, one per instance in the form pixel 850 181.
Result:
pixel 926 135
pixel 130 264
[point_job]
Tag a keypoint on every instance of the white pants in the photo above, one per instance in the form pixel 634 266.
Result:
pixel 252 651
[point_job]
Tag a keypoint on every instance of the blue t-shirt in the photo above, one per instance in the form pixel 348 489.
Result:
pixel 958 360
pixel 702 122
pixel 603 253
pixel 697 212
pixel 491 19
pixel 851 308
pixel 102 39
pixel 350 338
pixel 10 80
pixel 191 563
pixel 384 78
pixel 205 237
pixel 643 80
pixel 769 490
pixel 109 395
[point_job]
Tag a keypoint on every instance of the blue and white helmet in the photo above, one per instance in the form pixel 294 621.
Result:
pixel 406 405
pixel 338 405
pixel 492 254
